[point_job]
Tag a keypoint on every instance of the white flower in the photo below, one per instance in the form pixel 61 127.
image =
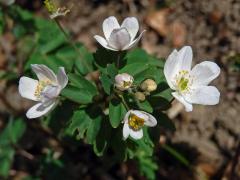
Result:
pixel 123 81
pixel 191 86
pixel 44 91
pixel 119 38
pixel 7 2
pixel 134 120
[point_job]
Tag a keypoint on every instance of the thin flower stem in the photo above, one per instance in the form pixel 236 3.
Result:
pixel 124 102
pixel 72 44
pixel 134 97
pixel 118 59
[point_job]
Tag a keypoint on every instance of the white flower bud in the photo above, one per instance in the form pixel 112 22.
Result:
pixel 149 85
pixel 123 81
pixel 140 96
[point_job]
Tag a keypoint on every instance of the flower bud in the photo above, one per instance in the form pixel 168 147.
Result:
pixel 123 81
pixel 140 96
pixel 149 85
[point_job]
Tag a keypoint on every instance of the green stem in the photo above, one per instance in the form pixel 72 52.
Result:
pixel 118 59
pixel 124 102
pixel 72 44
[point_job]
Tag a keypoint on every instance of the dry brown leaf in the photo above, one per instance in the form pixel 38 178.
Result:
pixel 157 21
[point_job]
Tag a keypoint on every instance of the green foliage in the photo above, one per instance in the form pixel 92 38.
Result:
pixel 90 109
pixel 117 112
pixel 80 90
pixel 85 122
pixel 9 138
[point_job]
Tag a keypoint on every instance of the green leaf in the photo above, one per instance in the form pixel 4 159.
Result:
pixel 112 71
pixel 12 132
pixel 83 123
pixel 107 83
pixel 103 138
pixel 117 112
pixel 80 90
pixel 52 61
pixel 75 94
pixel 141 56
pixel 103 57
pixel 146 106
pixel 137 56
pixel 6 158
pixel 8 137
pixel 82 83
pixel 134 68
pixel 84 60
pixel 50 37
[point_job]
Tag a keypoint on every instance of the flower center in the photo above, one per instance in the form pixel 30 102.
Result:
pixel 40 87
pixel 127 84
pixel 183 81
pixel 135 122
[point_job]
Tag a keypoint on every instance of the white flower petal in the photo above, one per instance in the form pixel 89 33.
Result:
pixel 119 39
pixel 39 110
pixel 188 106
pixel 170 68
pixel 133 43
pixel 205 95
pixel 185 56
pixel 132 26
pixel 126 131
pixel 126 116
pixel 43 72
pixel 50 92
pixel 136 134
pixel 27 87
pixel 140 114
pixel 204 73
pixel 109 25
pixel 103 42
pixel 62 77
pixel 151 121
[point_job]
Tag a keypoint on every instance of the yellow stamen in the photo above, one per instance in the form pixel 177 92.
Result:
pixel 183 81
pixel 50 6
pixel 40 87
pixel 135 122
pixel 126 84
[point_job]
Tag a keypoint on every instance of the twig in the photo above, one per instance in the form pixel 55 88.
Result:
pixel 25 154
